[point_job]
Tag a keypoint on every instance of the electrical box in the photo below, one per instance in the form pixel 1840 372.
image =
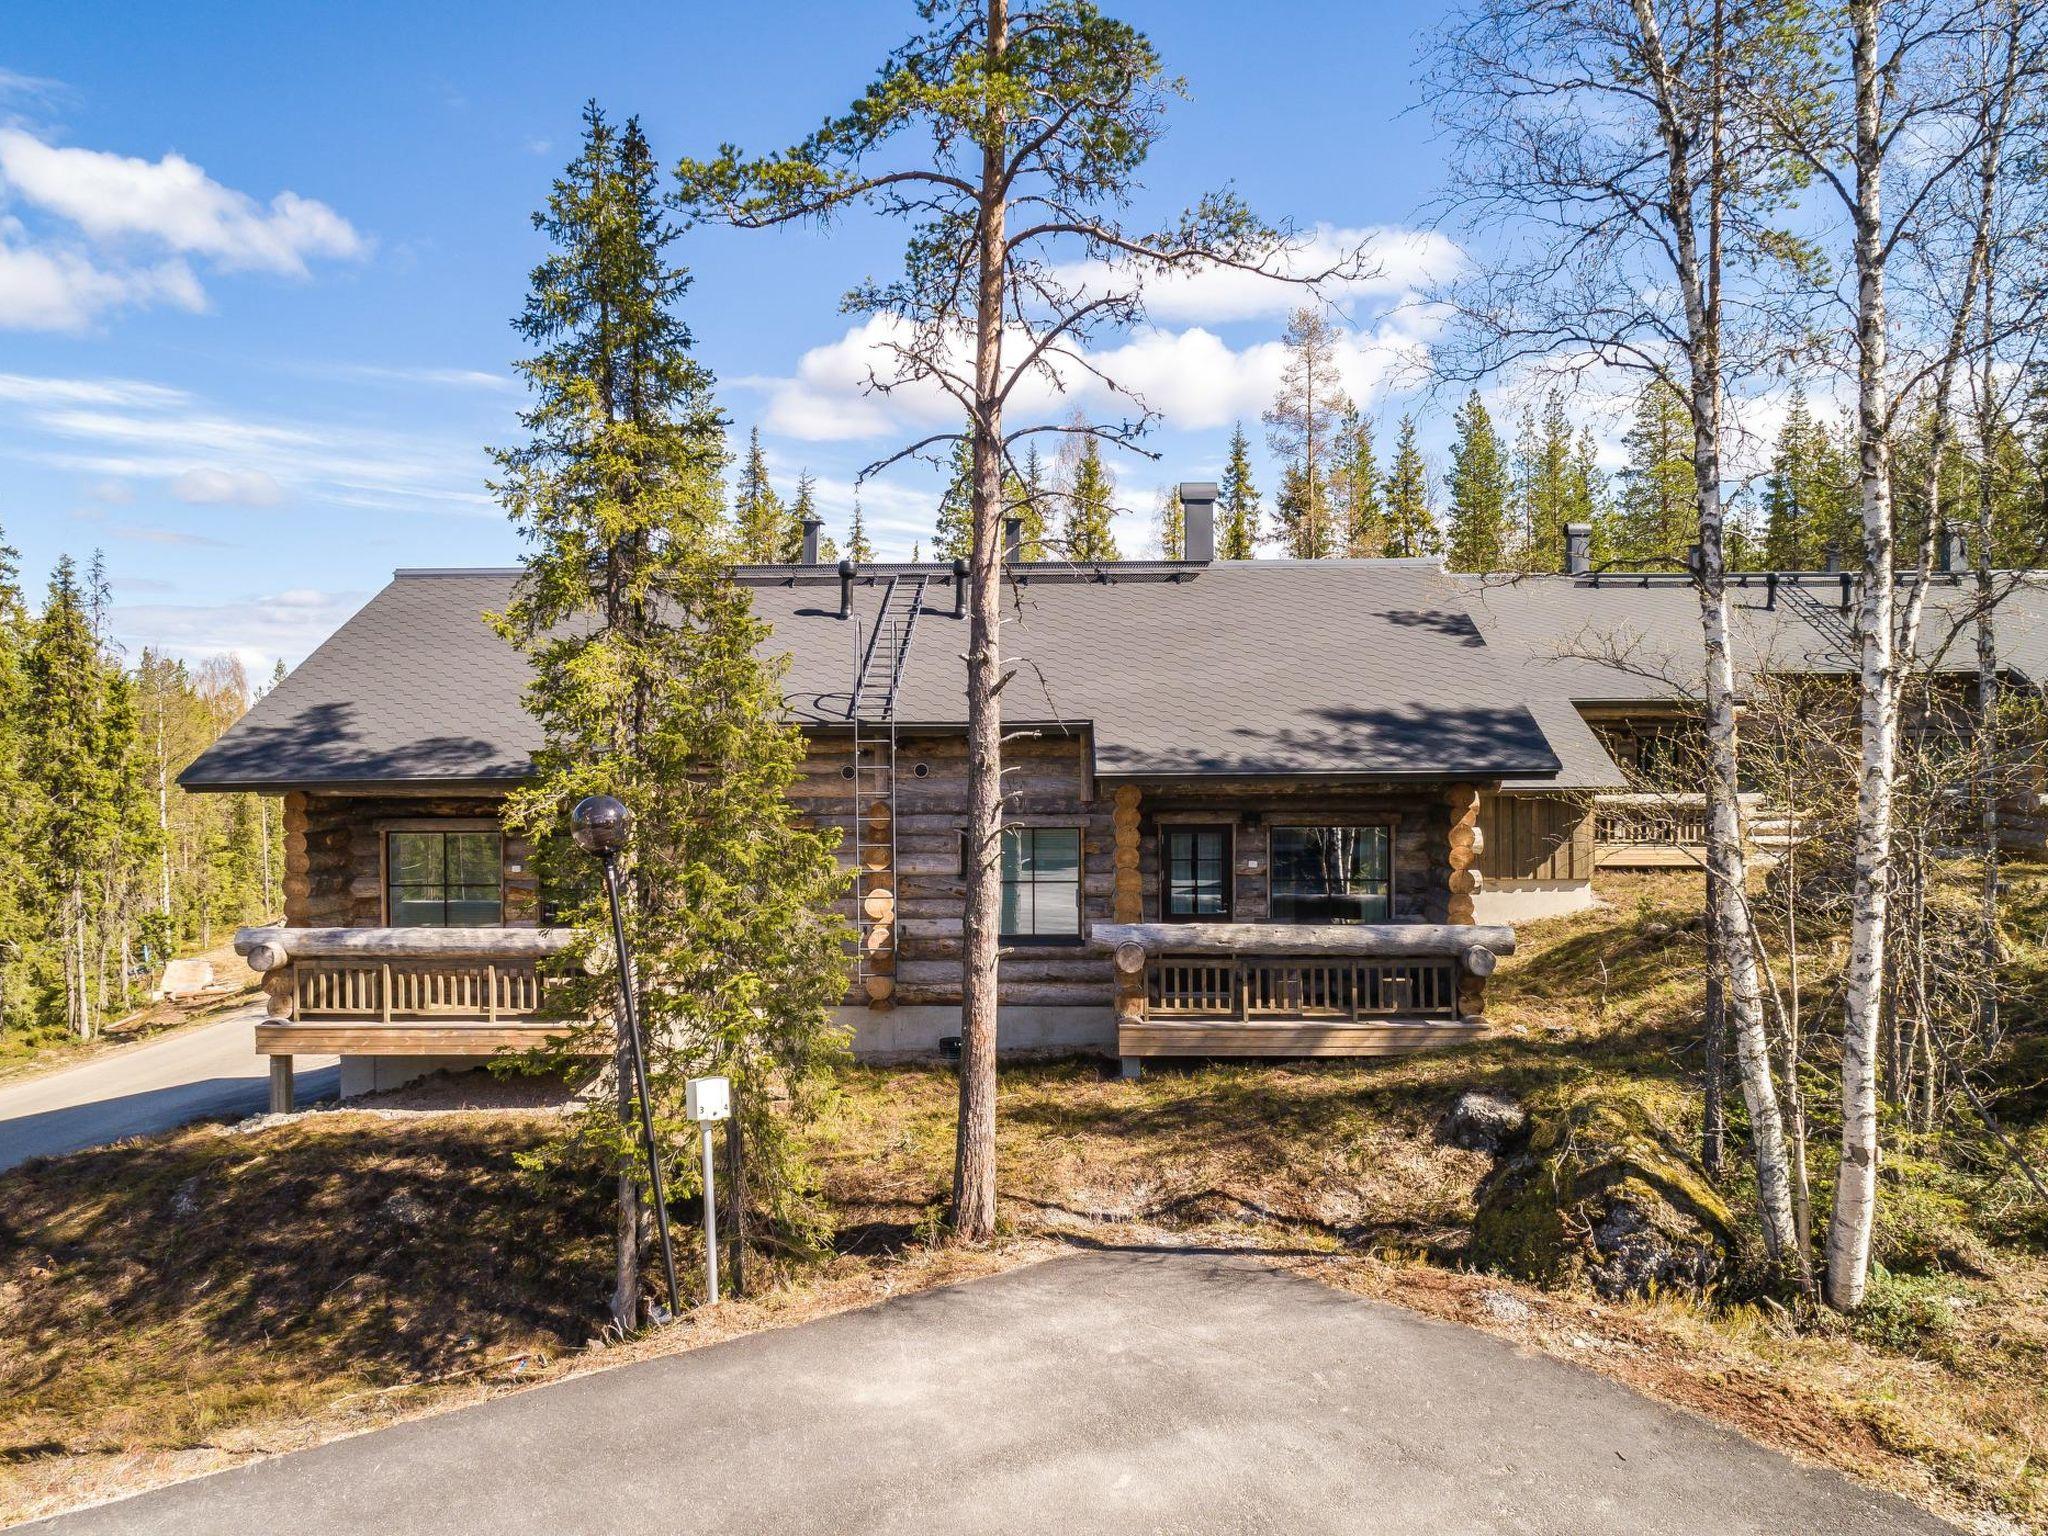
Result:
pixel 707 1098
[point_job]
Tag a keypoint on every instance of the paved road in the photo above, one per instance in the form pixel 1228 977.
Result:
pixel 210 1070
pixel 1119 1391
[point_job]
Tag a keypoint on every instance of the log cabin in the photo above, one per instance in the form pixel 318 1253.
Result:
pixel 1259 808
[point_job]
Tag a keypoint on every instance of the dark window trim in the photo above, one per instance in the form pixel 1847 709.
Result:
pixel 456 826
pixel 1167 829
pixel 1080 885
pixel 1391 828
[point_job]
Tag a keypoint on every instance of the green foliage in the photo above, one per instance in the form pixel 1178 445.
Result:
pixel 1810 496
pixel 860 548
pixel 649 683
pixel 1556 483
pixel 1657 516
pixel 1173 525
pixel 1411 525
pixel 1023 497
pixel 1355 487
pixel 1239 537
pixel 1481 488
pixel 760 523
pixel 1090 496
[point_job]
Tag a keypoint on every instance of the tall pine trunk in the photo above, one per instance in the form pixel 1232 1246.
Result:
pixel 974 1163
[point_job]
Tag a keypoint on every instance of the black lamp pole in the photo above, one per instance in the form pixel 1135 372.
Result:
pixel 600 825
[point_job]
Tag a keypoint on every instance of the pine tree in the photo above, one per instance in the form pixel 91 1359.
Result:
pixel 1481 489
pixel 1355 489
pixel 1658 515
pixel 953 537
pixel 1807 502
pixel 760 523
pixel 1030 499
pixel 1240 532
pixel 1301 427
pixel 805 506
pixel 1411 525
pixel 1172 524
pixel 858 548
pixel 1090 496
pixel 648 684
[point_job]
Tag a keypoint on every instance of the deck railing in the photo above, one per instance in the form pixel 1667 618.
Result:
pixel 1288 987
pixel 396 990
pixel 1650 821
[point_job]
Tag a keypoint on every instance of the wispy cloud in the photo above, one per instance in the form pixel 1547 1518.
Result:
pixel 257 628
pixel 138 534
pixel 124 431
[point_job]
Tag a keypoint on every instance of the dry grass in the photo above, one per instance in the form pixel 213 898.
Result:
pixel 182 1303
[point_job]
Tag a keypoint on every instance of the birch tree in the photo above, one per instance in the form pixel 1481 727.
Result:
pixel 1009 141
pixel 1897 116
pixel 1596 141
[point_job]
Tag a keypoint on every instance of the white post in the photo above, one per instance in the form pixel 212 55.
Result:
pixel 710 1222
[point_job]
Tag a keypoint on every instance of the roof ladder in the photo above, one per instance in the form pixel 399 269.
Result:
pixel 878 672
pixel 1838 636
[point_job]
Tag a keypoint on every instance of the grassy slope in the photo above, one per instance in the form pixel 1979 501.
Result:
pixel 180 1302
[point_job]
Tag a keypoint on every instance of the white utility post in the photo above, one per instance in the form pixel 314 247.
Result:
pixel 708 1100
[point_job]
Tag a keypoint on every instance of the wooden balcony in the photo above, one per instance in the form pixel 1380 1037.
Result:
pixel 403 991
pixel 1241 989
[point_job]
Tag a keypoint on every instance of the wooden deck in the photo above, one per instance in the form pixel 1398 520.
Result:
pixel 440 1037
pixel 1294 1037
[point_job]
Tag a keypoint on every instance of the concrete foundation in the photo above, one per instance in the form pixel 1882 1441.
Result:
pixel 917 1030
pixel 1524 901
pixel 380 1074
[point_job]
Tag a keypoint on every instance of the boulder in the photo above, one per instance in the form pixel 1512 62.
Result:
pixel 1607 1194
pixel 1484 1122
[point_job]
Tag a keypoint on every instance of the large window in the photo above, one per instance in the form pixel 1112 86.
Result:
pixel 1331 875
pixel 1041 882
pixel 446 879
pixel 1195 864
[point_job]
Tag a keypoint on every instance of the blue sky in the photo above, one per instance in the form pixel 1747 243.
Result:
pixel 257 264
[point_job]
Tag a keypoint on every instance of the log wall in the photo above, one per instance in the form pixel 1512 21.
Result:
pixel 334 855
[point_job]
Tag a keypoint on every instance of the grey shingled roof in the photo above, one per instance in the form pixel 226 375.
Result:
pixel 1364 668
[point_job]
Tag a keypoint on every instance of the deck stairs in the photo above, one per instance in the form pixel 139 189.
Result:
pixel 878 674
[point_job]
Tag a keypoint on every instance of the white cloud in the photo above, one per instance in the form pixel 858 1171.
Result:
pixel 65 290
pixel 151 535
pixel 173 203
pixel 1193 378
pixel 120 232
pixel 1396 262
pixel 226 487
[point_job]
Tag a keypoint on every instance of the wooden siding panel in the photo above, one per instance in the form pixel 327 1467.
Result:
pixel 1535 837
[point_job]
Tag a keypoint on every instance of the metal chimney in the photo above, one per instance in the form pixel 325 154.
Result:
pixel 1013 540
pixel 959 588
pixel 1833 556
pixel 1198 521
pixel 846 570
pixel 811 526
pixel 1578 549
pixel 1952 553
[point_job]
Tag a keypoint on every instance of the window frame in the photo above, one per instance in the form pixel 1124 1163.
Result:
pixel 1080 884
pixel 1388 831
pixel 444 830
pixel 1167 832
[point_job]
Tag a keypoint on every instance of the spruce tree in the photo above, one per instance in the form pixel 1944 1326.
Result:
pixel 859 549
pixel 1090 496
pixel 649 684
pixel 1481 488
pixel 804 506
pixel 1172 524
pixel 1355 486
pixel 760 523
pixel 1658 515
pixel 953 537
pixel 1240 532
pixel 1411 525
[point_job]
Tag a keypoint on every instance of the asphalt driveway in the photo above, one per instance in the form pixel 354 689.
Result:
pixel 210 1069
pixel 1150 1391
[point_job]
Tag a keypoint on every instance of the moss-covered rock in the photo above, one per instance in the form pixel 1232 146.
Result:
pixel 1607 1193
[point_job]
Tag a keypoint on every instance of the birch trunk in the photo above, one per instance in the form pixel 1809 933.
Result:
pixel 1699 283
pixel 974 1161
pixel 1855 1209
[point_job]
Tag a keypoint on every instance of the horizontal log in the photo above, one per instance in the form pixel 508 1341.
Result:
pixel 287 944
pixel 1367 940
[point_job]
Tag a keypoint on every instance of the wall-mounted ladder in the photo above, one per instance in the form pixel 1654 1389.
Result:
pixel 878 673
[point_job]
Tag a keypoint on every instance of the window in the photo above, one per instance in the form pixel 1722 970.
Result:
pixel 1331 875
pixel 1042 882
pixel 445 879
pixel 1196 865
